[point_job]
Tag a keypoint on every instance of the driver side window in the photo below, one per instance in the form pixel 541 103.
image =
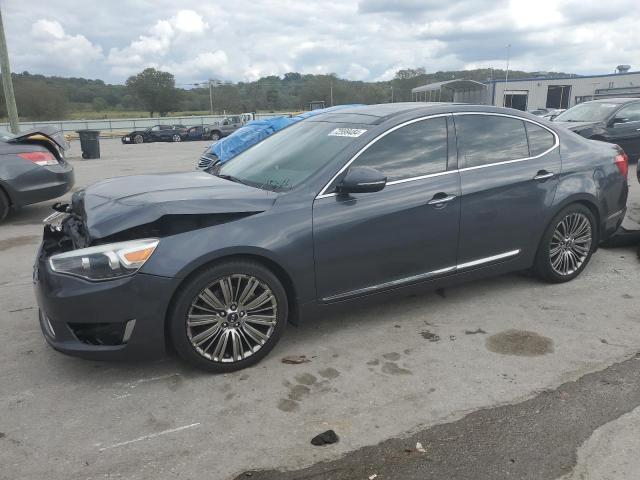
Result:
pixel 156 128
pixel 417 149
pixel 630 113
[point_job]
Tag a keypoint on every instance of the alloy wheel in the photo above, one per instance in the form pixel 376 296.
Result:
pixel 138 139
pixel 176 138
pixel 232 318
pixel 570 244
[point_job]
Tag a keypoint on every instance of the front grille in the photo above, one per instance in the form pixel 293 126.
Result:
pixel 205 163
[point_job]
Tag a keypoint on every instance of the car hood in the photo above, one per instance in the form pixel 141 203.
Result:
pixel 122 203
pixel 579 125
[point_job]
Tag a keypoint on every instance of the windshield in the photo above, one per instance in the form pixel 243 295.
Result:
pixel 287 158
pixel 587 112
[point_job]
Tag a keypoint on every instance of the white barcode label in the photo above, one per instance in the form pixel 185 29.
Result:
pixel 347 132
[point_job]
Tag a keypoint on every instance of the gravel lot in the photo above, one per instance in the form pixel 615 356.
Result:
pixel 376 373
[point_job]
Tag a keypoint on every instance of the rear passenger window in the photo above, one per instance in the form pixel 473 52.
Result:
pixel 414 150
pixel 485 139
pixel 540 139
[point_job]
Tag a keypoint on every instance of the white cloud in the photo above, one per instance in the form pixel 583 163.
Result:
pixel 53 45
pixel 359 39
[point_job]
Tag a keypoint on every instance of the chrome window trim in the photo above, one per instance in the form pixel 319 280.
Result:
pixel 421 177
pixel 322 193
pixel 421 276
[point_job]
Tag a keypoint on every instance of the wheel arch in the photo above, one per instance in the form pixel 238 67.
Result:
pixel 278 270
pixel 591 203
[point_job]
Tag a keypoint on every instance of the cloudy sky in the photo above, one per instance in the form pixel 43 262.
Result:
pixel 356 39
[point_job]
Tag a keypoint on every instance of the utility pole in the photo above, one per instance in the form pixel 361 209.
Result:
pixel 7 84
pixel 210 98
pixel 331 91
pixel 506 77
pixel 391 93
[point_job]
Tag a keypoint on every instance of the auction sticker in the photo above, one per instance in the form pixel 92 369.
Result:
pixel 346 132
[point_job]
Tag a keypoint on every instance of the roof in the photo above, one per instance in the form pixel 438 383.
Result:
pixel 459 84
pixel 615 100
pixel 566 77
pixel 372 114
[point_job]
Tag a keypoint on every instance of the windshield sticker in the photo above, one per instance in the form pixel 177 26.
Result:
pixel 346 132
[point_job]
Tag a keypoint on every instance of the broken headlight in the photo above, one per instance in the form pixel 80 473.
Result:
pixel 105 262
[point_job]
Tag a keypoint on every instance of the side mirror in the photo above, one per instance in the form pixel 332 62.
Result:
pixel 362 180
pixel 619 120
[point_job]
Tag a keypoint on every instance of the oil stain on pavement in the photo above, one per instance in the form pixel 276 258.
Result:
pixel 519 342
pixel 19 241
pixel 493 443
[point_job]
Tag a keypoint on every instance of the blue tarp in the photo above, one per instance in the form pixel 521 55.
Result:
pixel 257 130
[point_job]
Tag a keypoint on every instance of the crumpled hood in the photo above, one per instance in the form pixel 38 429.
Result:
pixel 575 126
pixel 118 204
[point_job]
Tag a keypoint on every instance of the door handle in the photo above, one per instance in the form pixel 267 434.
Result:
pixel 439 199
pixel 543 174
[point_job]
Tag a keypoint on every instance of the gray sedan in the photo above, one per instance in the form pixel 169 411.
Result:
pixel 32 168
pixel 370 201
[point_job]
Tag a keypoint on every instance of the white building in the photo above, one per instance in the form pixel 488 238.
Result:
pixel 533 93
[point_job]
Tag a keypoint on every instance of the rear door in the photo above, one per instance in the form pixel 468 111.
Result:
pixel 407 232
pixel 509 172
pixel 626 131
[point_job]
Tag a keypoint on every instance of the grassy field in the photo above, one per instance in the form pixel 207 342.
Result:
pixel 91 115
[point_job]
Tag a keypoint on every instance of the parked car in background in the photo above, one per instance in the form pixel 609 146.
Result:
pixel 227 125
pixel 199 132
pixel 32 168
pixel 252 133
pixel 613 120
pixel 329 210
pixel 538 112
pixel 552 113
pixel 157 133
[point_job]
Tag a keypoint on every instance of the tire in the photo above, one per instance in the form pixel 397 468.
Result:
pixel 200 299
pixel 138 139
pixel 215 136
pixel 567 245
pixel 176 138
pixel 5 205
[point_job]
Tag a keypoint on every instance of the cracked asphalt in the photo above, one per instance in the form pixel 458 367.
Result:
pixel 502 378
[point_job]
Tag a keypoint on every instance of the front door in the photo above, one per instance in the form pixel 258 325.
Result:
pixel 405 233
pixel 624 129
pixel 508 184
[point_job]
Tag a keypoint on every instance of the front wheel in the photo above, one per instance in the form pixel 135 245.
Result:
pixel 176 138
pixel 567 245
pixel 215 136
pixel 138 139
pixel 4 205
pixel 229 316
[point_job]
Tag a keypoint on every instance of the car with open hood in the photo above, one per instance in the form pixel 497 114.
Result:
pixel 613 120
pixel 33 168
pixel 347 206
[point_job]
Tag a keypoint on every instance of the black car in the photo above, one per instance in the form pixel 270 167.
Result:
pixel 369 200
pixel 613 120
pixel 33 168
pixel 199 132
pixel 157 133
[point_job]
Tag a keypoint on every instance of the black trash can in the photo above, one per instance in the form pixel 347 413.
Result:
pixel 90 143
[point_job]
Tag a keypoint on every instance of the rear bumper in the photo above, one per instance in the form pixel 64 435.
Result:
pixel 72 309
pixel 42 183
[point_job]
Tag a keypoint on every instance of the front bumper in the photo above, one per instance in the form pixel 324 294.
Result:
pixel 71 309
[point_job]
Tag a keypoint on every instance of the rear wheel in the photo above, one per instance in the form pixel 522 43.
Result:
pixel 229 316
pixel 567 245
pixel 4 205
pixel 176 138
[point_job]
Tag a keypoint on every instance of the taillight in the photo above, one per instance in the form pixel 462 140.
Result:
pixel 622 162
pixel 39 158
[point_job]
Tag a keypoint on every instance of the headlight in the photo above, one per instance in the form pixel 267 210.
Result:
pixel 105 262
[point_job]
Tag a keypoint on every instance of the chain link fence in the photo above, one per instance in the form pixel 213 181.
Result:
pixel 117 126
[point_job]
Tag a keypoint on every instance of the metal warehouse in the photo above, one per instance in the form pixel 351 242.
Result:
pixel 533 93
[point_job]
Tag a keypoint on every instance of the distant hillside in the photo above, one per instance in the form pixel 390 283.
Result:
pixel 40 97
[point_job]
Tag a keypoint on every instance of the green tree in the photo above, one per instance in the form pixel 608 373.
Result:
pixel 99 104
pixel 155 89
